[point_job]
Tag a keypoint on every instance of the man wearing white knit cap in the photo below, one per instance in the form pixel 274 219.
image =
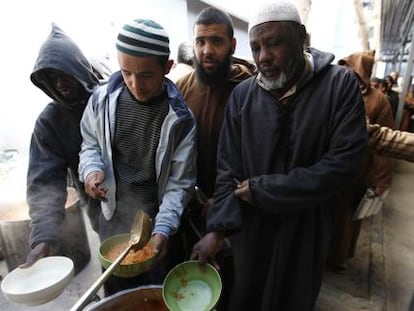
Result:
pixel 293 136
pixel 138 149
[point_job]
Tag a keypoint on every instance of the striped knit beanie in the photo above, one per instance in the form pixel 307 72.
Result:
pixel 275 11
pixel 143 37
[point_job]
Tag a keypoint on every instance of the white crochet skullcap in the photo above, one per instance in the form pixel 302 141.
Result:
pixel 275 11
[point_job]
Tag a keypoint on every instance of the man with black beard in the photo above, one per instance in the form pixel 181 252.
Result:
pixel 206 91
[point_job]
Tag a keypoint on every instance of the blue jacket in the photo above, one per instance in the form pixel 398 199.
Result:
pixel 174 160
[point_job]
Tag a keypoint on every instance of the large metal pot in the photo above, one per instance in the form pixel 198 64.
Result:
pixel 14 233
pixel 143 298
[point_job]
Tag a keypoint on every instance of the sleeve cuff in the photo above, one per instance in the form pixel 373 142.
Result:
pixel 162 229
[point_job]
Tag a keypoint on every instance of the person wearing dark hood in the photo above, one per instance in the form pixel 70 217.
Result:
pixel 65 75
pixel 206 91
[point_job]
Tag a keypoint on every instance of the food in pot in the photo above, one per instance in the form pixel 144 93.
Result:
pixel 132 257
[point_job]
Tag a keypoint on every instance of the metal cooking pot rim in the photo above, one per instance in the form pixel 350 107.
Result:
pixel 121 293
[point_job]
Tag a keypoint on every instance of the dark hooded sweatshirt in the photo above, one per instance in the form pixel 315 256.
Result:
pixel 56 138
pixel 297 155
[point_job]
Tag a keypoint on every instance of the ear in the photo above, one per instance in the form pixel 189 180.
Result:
pixel 233 45
pixel 168 66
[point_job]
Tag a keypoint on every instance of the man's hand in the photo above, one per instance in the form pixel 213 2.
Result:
pixel 41 250
pixel 160 242
pixel 206 249
pixel 243 191
pixel 93 185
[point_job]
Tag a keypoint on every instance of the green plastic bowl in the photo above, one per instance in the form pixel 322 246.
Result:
pixel 126 271
pixel 192 287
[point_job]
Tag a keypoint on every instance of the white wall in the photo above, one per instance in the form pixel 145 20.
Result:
pixel 92 24
pixel 333 27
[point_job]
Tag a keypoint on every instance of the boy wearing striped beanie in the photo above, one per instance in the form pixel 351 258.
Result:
pixel 138 149
pixel 143 50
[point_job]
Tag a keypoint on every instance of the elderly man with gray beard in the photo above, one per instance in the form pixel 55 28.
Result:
pixel 293 135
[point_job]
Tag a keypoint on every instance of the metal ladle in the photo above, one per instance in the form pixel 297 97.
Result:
pixel 140 235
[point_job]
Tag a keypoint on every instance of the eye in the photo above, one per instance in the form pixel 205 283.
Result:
pixel 255 48
pixel 217 41
pixel 200 42
pixel 274 42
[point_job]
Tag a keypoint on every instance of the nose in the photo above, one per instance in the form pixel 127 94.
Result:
pixel 264 55
pixel 133 82
pixel 60 82
pixel 208 48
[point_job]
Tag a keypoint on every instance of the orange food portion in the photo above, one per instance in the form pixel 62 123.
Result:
pixel 132 257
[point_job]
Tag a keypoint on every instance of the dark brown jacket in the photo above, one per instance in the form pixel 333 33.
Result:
pixel 208 102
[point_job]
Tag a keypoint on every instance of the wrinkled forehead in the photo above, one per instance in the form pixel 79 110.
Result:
pixel 211 30
pixel 268 30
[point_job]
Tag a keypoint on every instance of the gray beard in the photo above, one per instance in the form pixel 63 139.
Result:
pixel 282 80
pixel 272 84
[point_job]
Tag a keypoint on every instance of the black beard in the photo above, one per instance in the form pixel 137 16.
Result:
pixel 216 77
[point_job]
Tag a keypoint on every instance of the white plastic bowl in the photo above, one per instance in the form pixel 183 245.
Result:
pixel 40 283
